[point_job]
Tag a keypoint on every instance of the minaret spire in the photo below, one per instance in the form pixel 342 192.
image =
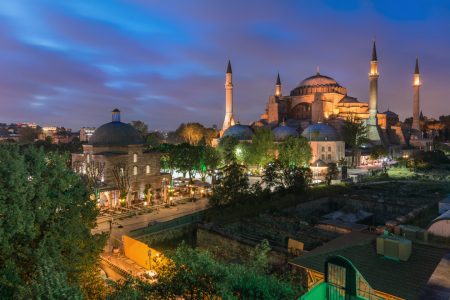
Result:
pixel 416 106
pixel 229 119
pixel 374 51
pixel 416 71
pixel 278 86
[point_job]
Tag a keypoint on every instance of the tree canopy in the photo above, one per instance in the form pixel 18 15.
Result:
pixel 355 133
pixel 295 151
pixel 264 147
pixel 140 126
pixel 46 215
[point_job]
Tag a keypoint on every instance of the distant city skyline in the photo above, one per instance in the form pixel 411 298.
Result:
pixel 71 63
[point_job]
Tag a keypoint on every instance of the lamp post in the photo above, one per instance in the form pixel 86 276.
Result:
pixel 170 190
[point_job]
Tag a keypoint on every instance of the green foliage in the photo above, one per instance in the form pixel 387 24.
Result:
pixel 332 172
pixel 47 215
pixel 377 152
pixel 153 142
pixel 27 134
pixel 342 162
pixel 264 147
pixel 295 151
pixel 287 178
pixel 227 145
pixel 49 284
pixel 244 152
pixel 355 134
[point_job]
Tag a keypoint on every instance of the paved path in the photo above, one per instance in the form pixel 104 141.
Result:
pixel 165 214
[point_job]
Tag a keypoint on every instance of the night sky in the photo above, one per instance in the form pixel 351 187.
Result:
pixel 69 63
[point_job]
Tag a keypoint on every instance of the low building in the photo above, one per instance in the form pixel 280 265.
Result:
pixel 325 143
pixel 350 267
pixel 86 133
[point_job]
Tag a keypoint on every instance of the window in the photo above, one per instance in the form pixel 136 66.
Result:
pixel 121 171
pixel 329 148
pixel 135 170
pixel 135 157
pixel 87 158
pixel 329 156
pixel 325 138
pixel 323 156
pixel 147 169
pixel 323 149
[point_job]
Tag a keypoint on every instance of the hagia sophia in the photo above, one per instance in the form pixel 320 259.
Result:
pixel 320 103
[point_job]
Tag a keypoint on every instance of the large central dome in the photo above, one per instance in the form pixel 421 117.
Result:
pixel 318 80
pixel 116 133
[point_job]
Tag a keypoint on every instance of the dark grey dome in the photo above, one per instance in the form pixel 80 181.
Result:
pixel 116 133
pixel 283 131
pixel 240 132
pixel 324 130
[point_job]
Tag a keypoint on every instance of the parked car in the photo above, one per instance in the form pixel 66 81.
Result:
pixel 151 223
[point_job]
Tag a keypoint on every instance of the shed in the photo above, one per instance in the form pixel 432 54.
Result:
pixel 441 225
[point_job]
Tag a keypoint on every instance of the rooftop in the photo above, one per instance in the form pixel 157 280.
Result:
pixel 404 279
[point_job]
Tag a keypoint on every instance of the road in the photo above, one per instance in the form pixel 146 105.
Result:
pixel 365 169
pixel 165 214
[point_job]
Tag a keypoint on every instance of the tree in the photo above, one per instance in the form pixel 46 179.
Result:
pixel 244 152
pixel 169 157
pixel 295 151
pixel 140 126
pixel 92 174
pixel 210 134
pixel 153 142
pixel 289 178
pixel 122 176
pixel 193 132
pixel 212 158
pixel 377 152
pixel 47 215
pixel 27 134
pixel 227 146
pixel 355 133
pixel 332 172
pixel 263 146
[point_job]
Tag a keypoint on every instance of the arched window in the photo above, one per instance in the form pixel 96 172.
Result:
pixel 121 171
pixel 135 157
pixel 87 158
pixel 323 156
pixel 329 148
pixel 135 170
pixel 329 156
pixel 323 149
pixel 147 169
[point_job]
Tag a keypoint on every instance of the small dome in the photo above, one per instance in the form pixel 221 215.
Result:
pixel 239 132
pixel 319 163
pixel 116 133
pixel 318 80
pixel 283 131
pixel 327 133
pixel 388 112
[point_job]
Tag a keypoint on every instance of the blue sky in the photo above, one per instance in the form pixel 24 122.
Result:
pixel 69 63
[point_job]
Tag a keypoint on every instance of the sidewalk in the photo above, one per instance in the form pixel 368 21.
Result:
pixel 123 263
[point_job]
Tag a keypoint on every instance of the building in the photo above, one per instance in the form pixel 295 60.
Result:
pixel 359 265
pixel 118 145
pixel 327 146
pixel 86 133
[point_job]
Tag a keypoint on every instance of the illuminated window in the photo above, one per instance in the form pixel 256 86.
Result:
pixel 87 158
pixel 329 148
pixel 147 169
pixel 121 171
pixel 134 157
pixel 135 170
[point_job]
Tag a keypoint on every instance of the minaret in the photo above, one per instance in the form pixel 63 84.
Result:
pixel 229 119
pixel 278 88
pixel 416 108
pixel 373 97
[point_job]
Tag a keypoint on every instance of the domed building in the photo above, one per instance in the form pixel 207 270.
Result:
pixel 283 131
pixel 325 143
pixel 119 147
pixel 239 132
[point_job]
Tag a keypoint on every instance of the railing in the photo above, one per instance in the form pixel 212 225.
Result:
pixel 134 211
pixel 172 223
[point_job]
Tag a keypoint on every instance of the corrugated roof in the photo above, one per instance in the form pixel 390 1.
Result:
pixel 404 279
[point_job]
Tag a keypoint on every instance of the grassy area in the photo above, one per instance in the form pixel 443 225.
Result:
pixel 277 202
